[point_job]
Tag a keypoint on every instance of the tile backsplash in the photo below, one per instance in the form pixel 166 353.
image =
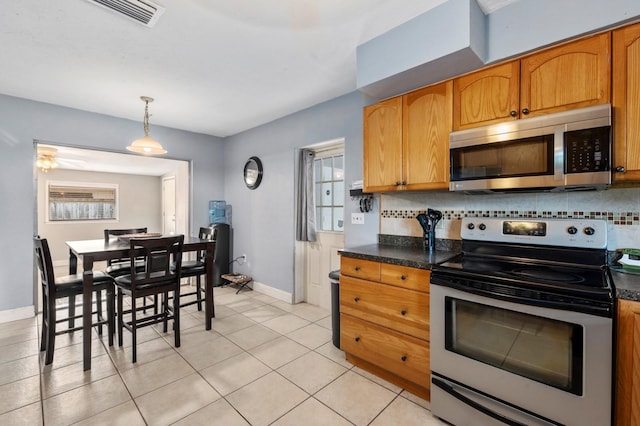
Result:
pixel 619 207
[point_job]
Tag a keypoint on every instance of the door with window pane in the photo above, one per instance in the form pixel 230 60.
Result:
pixel 322 255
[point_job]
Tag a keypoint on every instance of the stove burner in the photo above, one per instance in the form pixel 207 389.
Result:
pixel 549 275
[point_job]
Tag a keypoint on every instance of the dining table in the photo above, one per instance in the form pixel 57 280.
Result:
pixel 91 251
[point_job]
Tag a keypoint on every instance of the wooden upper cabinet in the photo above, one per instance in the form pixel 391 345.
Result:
pixel 382 146
pixel 426 124
pixel 574 75
pixel 487 96
pixel 626 103
pixel 406 141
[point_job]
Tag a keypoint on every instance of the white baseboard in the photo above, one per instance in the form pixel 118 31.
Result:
pixel 16 314
pixel 273 292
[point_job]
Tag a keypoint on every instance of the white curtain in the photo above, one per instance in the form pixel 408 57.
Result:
pixel 306 206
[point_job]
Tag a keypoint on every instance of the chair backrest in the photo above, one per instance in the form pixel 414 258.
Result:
pixel 109 233
pixel 209 234
pixel 115 233
pixel 43 258
pixel 162 259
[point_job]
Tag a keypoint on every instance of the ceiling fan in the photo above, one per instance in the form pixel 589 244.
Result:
pixel 48 159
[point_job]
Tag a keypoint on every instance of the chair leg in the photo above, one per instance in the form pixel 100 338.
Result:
pixel 176 316
pixel 198 292
pixel 72 311
pixel 165 310
pixel 134 352
pixel 110 314
pixel 51 331
pixel 120 318
pixel 98 294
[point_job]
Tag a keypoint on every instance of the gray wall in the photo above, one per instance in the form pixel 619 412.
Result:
pixel 23 121
pixel 263 219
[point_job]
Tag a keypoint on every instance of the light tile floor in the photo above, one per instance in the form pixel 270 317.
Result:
pixel 264 363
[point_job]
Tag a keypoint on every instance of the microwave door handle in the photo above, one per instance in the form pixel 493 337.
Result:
pixel 558 154
pixel 479 407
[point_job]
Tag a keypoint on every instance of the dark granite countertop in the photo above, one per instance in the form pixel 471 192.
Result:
pixel 627 284
pixel 415 257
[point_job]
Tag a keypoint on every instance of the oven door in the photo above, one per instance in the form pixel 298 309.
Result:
pixel 499 360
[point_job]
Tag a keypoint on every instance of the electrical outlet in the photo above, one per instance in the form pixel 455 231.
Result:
pixel 244 258
pixel 357 218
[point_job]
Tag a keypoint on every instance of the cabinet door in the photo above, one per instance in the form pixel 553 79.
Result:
pixel 626 103
pixel 573 75
pixel 628 364
pixel 382 146
pixel 406 311
pixel 398 353
pixel 487 96
pixel 427 115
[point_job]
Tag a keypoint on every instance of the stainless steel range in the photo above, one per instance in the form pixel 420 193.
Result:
pixel 522 325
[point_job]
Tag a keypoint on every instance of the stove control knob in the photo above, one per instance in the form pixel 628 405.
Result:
pixel 482 226
pixel 589 230
pixel 572 230
pixel 470 226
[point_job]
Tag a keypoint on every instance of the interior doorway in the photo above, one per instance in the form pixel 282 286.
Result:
pixel 169 205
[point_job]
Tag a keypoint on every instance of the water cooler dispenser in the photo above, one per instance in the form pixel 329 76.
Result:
pixel 221 257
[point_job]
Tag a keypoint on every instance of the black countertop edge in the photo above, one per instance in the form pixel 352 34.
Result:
pixel 414 257
pixel 627 285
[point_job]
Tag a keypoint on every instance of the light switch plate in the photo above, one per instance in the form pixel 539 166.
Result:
pixel 357 218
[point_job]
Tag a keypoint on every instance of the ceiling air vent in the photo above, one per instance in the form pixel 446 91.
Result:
pixel 142 11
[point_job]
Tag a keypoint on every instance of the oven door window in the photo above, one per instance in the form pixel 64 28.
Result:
pixel 521 157
pixel 542 349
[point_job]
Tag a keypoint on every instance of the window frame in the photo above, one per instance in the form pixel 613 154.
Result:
pixel 74 184
pixel 319 156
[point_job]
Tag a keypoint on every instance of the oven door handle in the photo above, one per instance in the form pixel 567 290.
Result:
pixel 449 389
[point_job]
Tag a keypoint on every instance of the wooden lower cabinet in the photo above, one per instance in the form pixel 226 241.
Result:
pixel 627 391
pixel 384 322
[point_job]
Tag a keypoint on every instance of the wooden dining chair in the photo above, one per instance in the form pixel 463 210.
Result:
pixel 196 268
pixel 64 287
pixel 162 267
pixel 117 267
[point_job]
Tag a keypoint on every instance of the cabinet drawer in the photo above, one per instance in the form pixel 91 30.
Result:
pixel 402 355
pixel 404 276
pixel 365 269
pixel 403 310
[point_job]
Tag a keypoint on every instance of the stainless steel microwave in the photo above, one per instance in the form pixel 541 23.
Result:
pixel 570 150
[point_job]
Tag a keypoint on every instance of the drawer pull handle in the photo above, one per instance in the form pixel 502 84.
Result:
pixel 357 268
pixel 357 339
pixel 356 299
pixel 403 277
pixel 403 312
pixel 403 358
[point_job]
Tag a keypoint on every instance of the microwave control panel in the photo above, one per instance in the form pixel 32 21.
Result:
pixel 587 150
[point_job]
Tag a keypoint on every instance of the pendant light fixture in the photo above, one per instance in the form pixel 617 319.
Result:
pixel 146 145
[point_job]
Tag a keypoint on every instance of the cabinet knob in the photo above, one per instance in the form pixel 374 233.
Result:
pixel 620 169
pixel 513 113
pixel 403 277
pixel 357 268
pixel 525 111
pixel 404 182
pixel 397 183
pixel 356 299
pixel 357 339
pixel 403 358
pixel 403 312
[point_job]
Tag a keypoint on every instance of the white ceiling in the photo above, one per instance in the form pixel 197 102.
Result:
pixel 216 67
